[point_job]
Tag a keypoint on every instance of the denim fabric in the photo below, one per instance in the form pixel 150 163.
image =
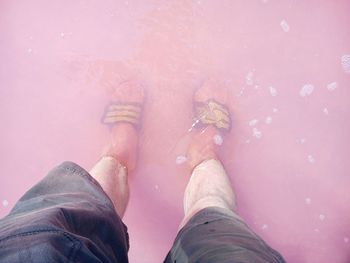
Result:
pixel 68 218
pixel 218 235
pixel 64 218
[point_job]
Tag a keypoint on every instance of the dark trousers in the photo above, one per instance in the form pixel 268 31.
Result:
pixel 67 217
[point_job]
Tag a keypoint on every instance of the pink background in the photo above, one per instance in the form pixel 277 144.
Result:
pixel 290 169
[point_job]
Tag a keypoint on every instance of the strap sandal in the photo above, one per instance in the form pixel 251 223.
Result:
pixel 214 113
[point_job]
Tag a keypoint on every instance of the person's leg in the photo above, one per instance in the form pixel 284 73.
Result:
pixel 211 231
pixel 112 170
pixel 119 158
pixel 209 184
pixel 72 215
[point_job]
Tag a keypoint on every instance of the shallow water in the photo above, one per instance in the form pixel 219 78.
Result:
pixel 288 69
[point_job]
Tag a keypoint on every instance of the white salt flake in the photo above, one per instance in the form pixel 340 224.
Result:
pixel 264 227
pixel 29 50
pixel 308 201
pixel 268 120
pixel 345 62
pixel 256 133
pixel 62 34
pixel 325 111
pixel 306 90
pixel 247 141
pixel 181 159
pixel 253 122
pixel 302 140
pixel 249 78
pixel 346 240
pixel 5 203
pixel 274 110
pixel 241 91
pixel 273 91
pixel 156 187
pixel 285 26
pixel 218 140
pixel 332 86
pixel 311 158
pixel 322 217
pixel 316 230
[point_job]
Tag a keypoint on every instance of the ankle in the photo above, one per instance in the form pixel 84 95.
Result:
pixel 203 146
pixel 124 145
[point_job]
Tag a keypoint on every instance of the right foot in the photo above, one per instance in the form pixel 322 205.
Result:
pixel 205 142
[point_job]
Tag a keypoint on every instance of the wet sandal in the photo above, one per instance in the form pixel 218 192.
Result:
pixel 212 112
pixel 122 112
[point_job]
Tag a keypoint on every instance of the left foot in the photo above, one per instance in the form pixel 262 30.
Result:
pixel 126 92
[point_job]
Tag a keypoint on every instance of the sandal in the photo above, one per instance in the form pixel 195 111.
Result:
pixel 123 112
pixel 211 112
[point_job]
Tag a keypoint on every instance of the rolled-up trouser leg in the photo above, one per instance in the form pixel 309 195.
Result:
pixel 219 235
pixel 66 217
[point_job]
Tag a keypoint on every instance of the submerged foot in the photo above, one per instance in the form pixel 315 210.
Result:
pixel 125 124
pixel 123 114
pixel 213 120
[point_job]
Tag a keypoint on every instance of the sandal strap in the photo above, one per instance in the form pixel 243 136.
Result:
pixel 214 113
pixel 117 112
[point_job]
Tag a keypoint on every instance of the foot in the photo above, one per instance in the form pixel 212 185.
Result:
pixel 205 142
pixel 124 86
pixel 124 144
pixel 209 185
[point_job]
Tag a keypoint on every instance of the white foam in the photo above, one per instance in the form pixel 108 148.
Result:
pixel 5 203
pixel 325 111
pixel 256 133
pixel 264 227
pixel 181 159
pixel 273 91
pixel 308 201
pixel 249 78
pixel 274 110
pixel 311 159
pixel 241 91
pixel 268 120
pixel 332 86
pixel 306 90
pixel 218 140
pixel 302 140
pixel 285 26
pixel 253 122
pixel 345 62
pixel 322 217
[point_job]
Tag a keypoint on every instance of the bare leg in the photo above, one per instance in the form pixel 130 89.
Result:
pixel 209 184
pixel 113 169
pixel 113 178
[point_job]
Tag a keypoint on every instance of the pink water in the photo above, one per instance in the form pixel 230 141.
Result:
pixel 286 65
